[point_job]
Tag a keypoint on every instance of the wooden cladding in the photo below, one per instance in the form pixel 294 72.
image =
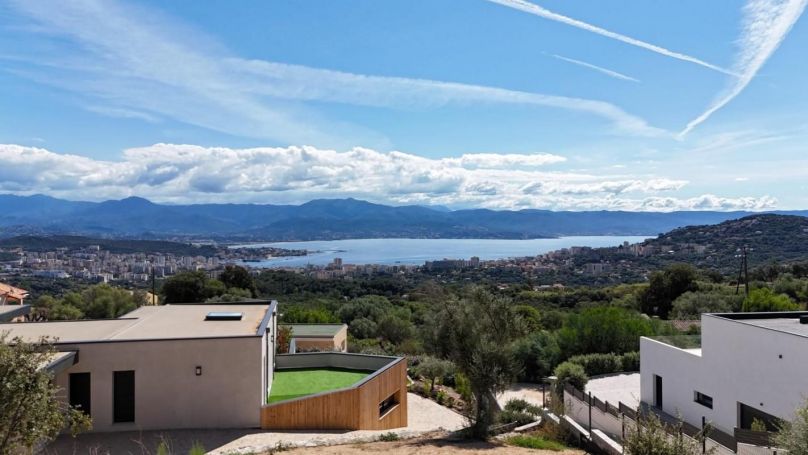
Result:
pixel 357 408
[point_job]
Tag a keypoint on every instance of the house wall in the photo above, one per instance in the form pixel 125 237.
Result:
pixel 168 394
pixel 355 408
pixel 338 342
pixel 739 363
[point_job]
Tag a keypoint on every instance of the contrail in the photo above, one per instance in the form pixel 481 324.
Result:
pixel 766 24
pixel 537 10
pixel 601 69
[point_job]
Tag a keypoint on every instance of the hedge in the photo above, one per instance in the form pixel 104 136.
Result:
pixel 597 364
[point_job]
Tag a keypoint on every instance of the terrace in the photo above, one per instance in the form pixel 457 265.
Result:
pixel 296 383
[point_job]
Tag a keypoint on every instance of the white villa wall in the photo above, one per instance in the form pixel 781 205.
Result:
pixel 738 363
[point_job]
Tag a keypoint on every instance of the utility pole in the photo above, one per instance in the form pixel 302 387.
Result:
pixel 743 270
pixel 153 287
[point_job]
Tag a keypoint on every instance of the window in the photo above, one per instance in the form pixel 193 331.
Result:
pixel 658 391
pixel 123 396
pixel 79 390
pixel 704 400
pixel 388 404
pixel 223 316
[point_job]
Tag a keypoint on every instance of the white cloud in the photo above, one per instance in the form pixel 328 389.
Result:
pixel 766 24
pixel 600 69
pixel 194 174
pixel 537 10
pixel 162 68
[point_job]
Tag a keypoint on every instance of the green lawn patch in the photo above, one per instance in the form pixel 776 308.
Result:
pixel 535 442
pixel 289 384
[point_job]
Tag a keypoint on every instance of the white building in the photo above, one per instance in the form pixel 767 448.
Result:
pixel 748 366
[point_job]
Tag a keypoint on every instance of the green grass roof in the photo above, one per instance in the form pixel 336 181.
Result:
pixel 295 383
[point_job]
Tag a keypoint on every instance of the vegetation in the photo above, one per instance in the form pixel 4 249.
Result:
pixel 432 368
pixel 535 442
pixel 30 412
pixel 597 364
pixel 652 437
pixel 764 299
pixel 519 411
pixel 793 436
pixel 95 302
pixel 569 373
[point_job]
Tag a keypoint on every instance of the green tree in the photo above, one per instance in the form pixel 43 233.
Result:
pixel 284 339
pixel 764 299
pixel 793 435
pixel 665 286
pixel 431 368
pixel 691 305
pixel 603 329
pixel 395 329
pixel 30 411
pixel 362 328
pixel 538 354
pixel 104 301
pixel 531 317
pixel 234 276
pixel 477 333
pixel 185 287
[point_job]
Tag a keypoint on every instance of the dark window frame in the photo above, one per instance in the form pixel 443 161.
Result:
pixel 389 403
pixel 123 404
pixel 703 399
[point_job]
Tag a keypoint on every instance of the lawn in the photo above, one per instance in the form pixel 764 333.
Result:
pixel 290 384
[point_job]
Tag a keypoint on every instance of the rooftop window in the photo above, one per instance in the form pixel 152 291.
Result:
pixel 223 316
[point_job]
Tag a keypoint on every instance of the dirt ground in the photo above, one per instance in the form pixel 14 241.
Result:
pixel 428 446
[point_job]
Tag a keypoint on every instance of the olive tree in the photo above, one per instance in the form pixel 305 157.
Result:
pixel 477 333
pixel 30 412
pixel 793 436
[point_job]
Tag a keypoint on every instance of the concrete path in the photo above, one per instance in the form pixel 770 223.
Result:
pixel 528 392
pixel 424 416
pixel 614 388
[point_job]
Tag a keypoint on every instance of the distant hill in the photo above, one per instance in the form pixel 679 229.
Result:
pixel 122 246
pixel 323 219
pixel 770 237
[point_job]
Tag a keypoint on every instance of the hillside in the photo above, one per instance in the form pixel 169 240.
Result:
pixel 324 219
pixel 51 243
pixel 770 237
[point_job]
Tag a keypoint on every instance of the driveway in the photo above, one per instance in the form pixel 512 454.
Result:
pixel 423 416
pixel 614 388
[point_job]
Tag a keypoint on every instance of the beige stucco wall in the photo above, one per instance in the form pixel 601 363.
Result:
pixel 338 343
pixel 168 394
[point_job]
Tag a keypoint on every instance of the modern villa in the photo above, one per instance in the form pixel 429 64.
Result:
pixel 748 366
pixel 212 366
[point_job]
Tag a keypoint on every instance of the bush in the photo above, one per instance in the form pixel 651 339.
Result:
pixel 691 305
pixel 537 353
pixel 535 442
pixel 572 374
pixel 603 329
pixel 519 411
pixel 389 437
pixel 631 361
pixel 597 364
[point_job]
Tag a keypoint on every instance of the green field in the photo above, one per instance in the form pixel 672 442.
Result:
pixel 296 383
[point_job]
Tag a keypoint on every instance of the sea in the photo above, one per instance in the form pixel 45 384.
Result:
pixel 418 251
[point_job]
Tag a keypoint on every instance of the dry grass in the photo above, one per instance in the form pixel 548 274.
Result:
pixel 429 446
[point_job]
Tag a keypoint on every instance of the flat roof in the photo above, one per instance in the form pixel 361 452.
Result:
pixel 315 330
pixel 780 321
pixel 9 312
pixel 151 323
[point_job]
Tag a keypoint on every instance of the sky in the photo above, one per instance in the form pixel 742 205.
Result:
pixel 502 104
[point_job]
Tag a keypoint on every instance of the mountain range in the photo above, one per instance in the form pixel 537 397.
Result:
pixel 326 219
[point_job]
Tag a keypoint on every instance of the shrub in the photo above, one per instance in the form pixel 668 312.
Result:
pixel 519 411
pixel 631 361
pixel 650 437
pixel 389 437
pixel 537 354
pixel 535 442
pixel 603 329
pixel 572 374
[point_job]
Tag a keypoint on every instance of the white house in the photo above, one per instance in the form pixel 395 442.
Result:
pixel 748 366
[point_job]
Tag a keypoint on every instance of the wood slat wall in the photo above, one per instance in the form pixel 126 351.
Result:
pixel 352 409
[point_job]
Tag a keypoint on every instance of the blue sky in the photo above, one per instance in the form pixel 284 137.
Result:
pixel 572 105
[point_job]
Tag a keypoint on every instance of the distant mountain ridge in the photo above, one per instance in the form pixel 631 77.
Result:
pixel 325 219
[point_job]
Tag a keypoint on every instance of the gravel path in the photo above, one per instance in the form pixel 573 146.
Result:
pixel 528 392
pixel 424 416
